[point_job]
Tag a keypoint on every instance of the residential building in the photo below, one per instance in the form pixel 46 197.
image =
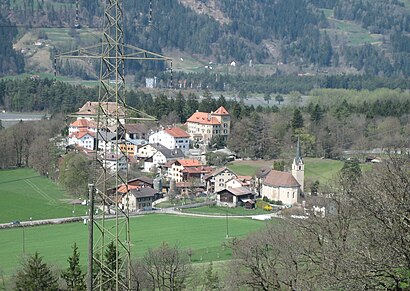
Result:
pixel 82 125
pixel 203 126
pixel 175 168
pixel 84 139
pixel 216 180
pixel 239 181
pixel 106 141
pixel 171 138
pixel 156 155
pixel 139 198
pixel 114 163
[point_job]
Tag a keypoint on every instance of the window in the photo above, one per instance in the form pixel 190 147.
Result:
pixel 288 194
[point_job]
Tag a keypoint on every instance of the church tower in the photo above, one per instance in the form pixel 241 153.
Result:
pixel 298 167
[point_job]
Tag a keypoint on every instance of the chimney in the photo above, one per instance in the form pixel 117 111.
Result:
pixel 209 116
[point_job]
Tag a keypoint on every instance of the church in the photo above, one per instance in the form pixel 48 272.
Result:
pixel 285 186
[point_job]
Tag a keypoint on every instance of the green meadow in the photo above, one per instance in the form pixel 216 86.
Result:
pixel 24 194
pixel 322 170
pixel 204 236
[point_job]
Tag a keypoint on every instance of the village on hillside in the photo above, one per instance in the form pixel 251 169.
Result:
pixel 173 161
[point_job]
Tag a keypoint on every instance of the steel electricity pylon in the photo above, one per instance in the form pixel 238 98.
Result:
pixel 108 217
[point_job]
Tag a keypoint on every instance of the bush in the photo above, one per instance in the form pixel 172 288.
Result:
pixel 267 208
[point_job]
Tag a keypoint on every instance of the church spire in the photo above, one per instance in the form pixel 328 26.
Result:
pixel 298 167
pixel 298 157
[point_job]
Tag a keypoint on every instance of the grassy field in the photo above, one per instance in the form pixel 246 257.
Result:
pixel 25 194
pixel 205 236
pixel 322 170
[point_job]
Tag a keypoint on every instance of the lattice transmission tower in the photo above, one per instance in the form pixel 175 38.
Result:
pixel 108 217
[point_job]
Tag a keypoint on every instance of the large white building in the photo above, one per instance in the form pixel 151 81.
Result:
pixel 203 126
pixel 171 138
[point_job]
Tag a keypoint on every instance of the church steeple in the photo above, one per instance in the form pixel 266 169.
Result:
pixel 298 167
pixel 298 158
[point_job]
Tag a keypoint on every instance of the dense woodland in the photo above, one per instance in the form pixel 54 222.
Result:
pixel 296 29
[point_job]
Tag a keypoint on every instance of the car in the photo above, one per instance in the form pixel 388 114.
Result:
pixel 15 222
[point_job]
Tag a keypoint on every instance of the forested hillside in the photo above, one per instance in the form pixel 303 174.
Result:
pixel 11 62
pixel 353 36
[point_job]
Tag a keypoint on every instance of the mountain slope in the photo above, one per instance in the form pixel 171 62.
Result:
pixel 335 36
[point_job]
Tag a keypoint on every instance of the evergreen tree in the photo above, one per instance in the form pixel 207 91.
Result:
pixel 279 98
pixel 35 275
pixel 110 260
pixel 211 279
pixel 317 114
pixel 297 120
pixel 267 97
pixel 73 276
pixel 351 170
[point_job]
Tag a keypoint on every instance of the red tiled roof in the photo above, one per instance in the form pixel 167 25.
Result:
pixel 198 170
pixel 81 133
pixel 177 132
pixel 280 179
pixel 189 163
pixel 203 118
pixel 123 189
pixel 221 111
pixel 82 122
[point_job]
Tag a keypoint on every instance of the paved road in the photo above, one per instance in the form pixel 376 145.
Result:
pixel 164 210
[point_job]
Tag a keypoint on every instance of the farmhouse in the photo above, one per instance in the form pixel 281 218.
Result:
pixel 233 197
pixel 203 126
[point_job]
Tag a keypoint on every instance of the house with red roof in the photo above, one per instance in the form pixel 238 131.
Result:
pixel 83 138
pixel 203 126
pixel 171 138
pixel 82 125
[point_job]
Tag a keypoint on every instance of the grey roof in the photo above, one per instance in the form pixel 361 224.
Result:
pixel 143 192
pixel 144 179
pixel 106 136
pixel 238 191
pixel 169 154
